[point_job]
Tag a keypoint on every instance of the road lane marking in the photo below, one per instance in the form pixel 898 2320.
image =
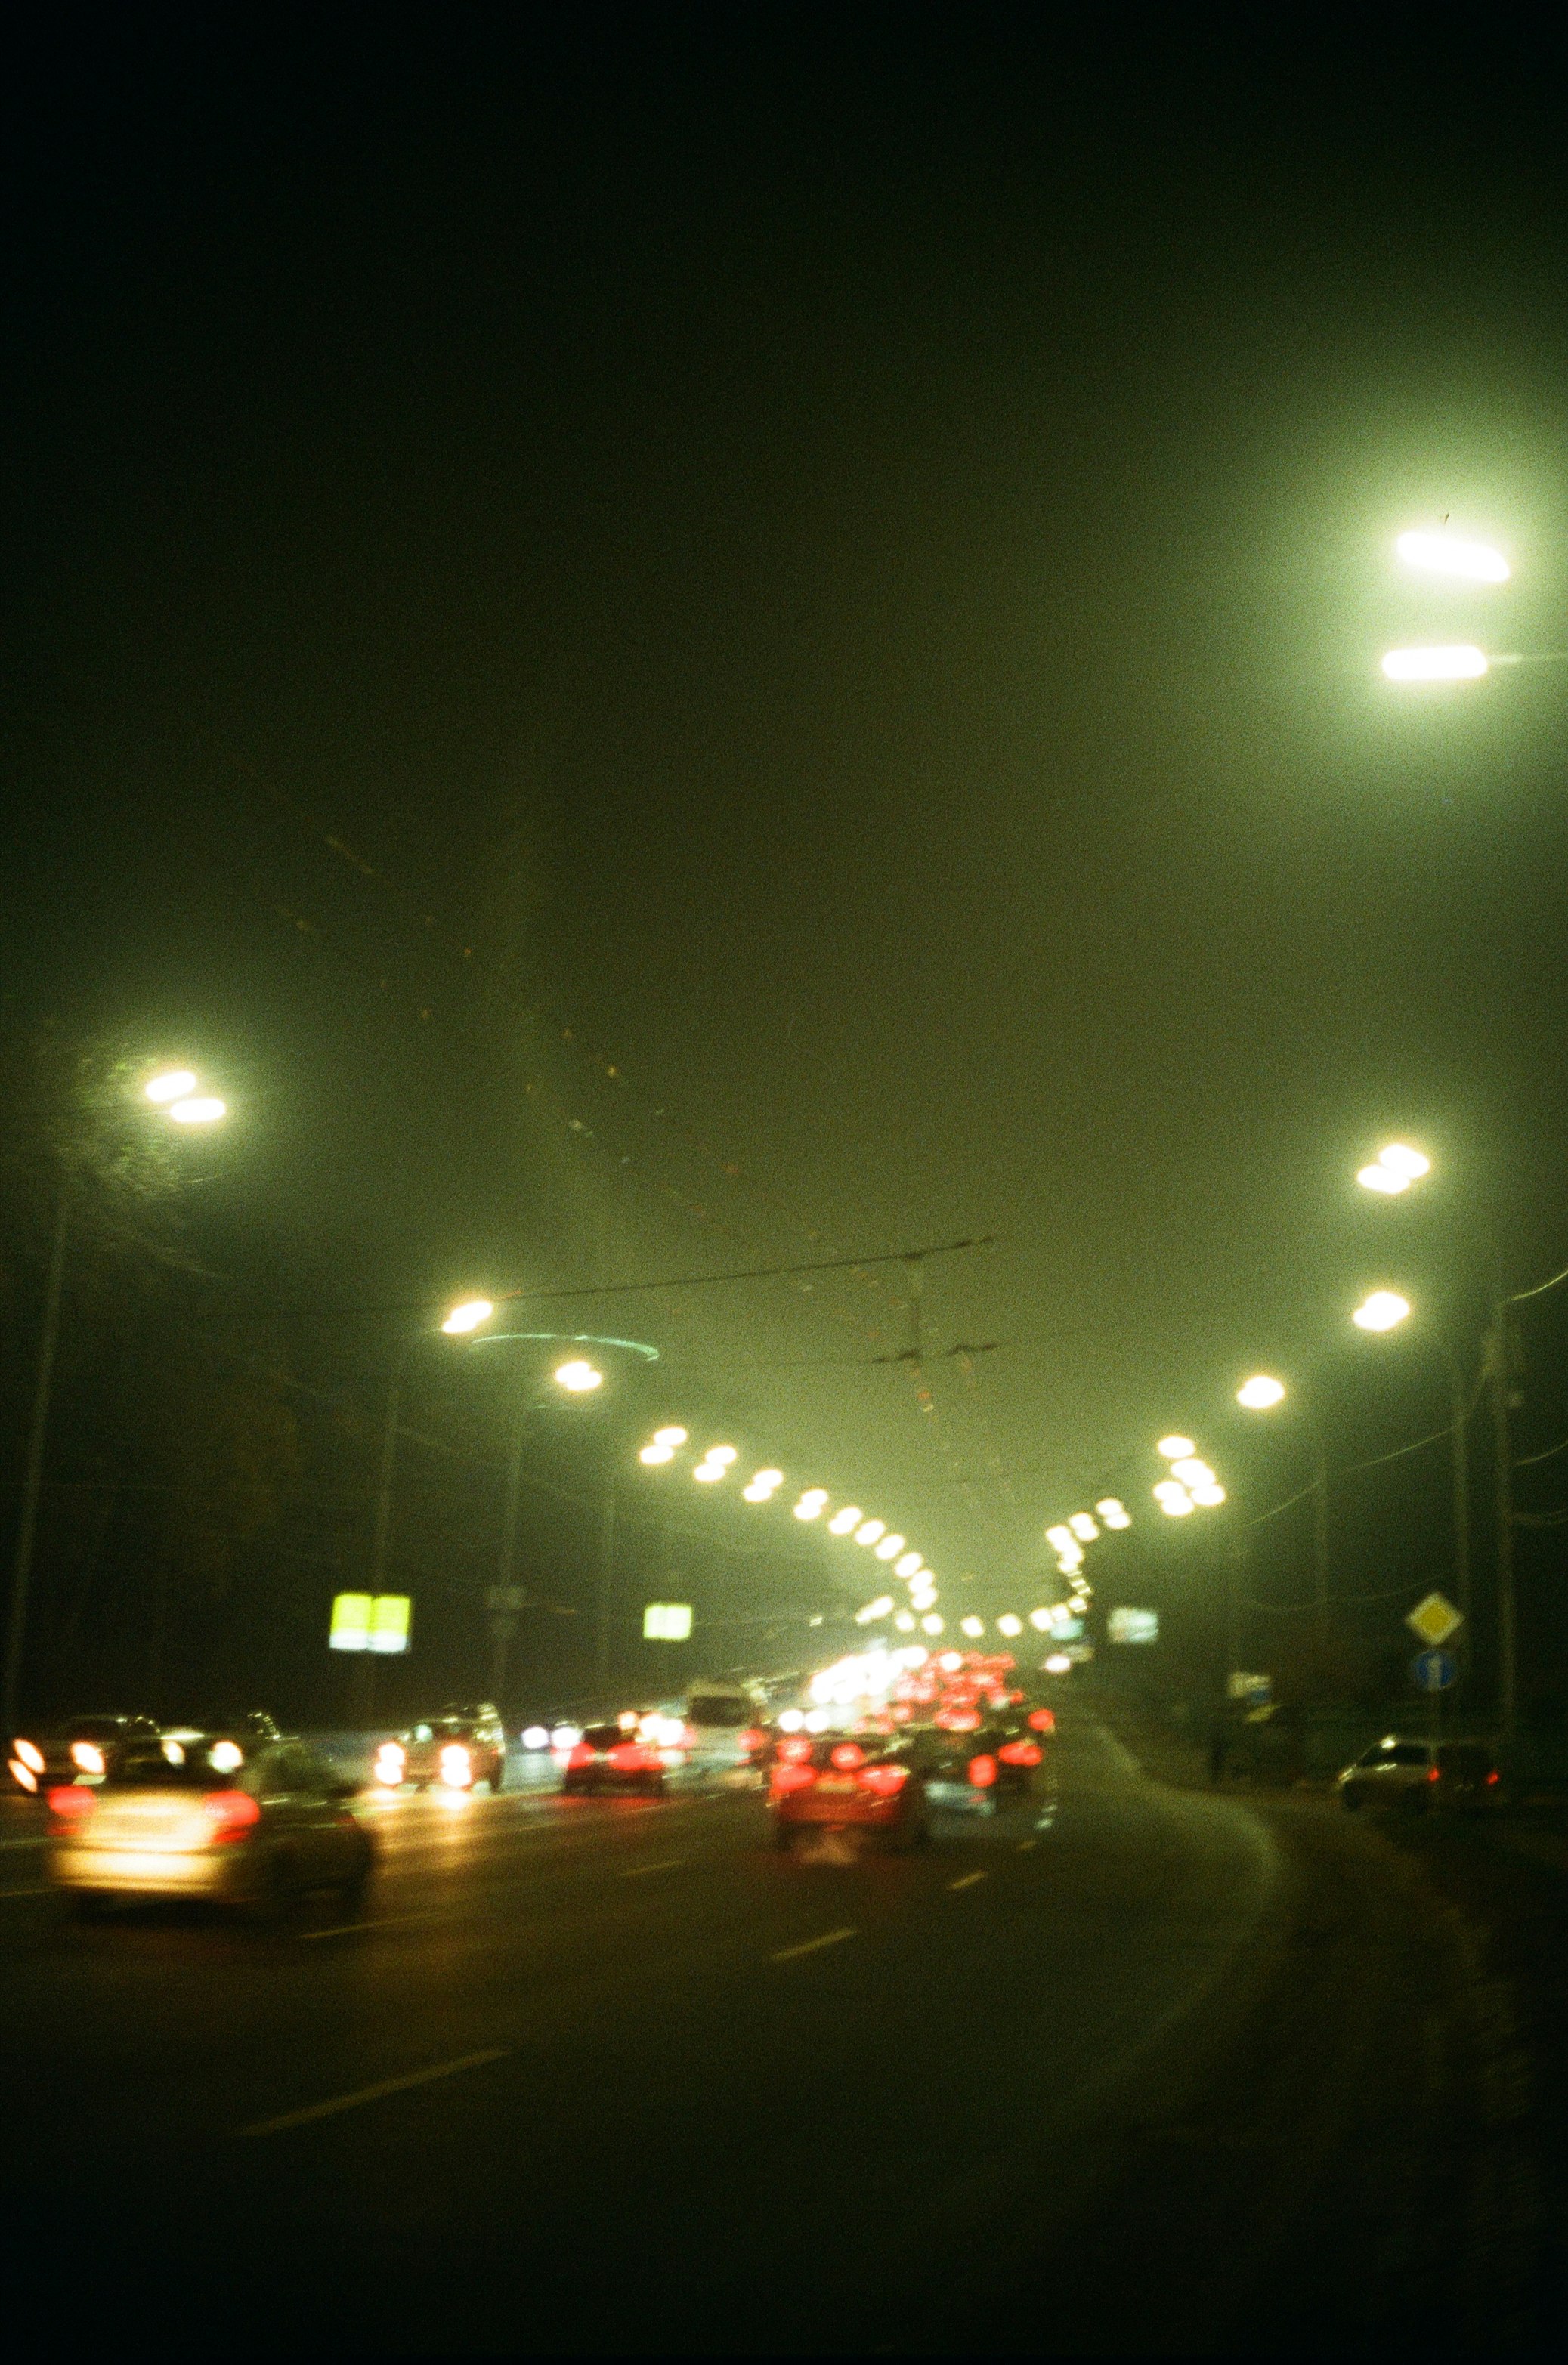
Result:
pixel 371 1921
pixel 829 1938
pixel 371 2093
pixel 46 1890
pixel 636 1871
pixel 967 1881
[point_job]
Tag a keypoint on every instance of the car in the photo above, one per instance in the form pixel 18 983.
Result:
pixel 460 1747
pixel 613 1757
pixel 209 1815
pixel 837 1782
pixel 1419 1775
pixel 723 1724
pixel 80 1748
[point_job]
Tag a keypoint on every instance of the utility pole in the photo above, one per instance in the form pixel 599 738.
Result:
pixel 32 1481
pixel 1500 1377
pixel 606 1576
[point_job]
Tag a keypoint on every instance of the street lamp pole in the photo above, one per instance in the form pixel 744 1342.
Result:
pixel 32 1481
pixel 1497 1360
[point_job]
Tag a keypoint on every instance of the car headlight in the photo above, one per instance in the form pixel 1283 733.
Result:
pixel 457 1767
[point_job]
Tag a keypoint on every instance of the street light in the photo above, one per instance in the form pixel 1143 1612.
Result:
pixel 467 1317
pixel 1260 1394
pixel 1446 554
pixel 170 1093
pixel 579 1378
pixel 1175 1449
pixel 1394 1170
pixel 1383 1310
pixel 1463 662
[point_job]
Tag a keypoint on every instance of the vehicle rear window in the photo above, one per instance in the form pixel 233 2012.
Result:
pixel 1460 1758
pixel 153 1769
pixel 605 1736
pixel 718 1707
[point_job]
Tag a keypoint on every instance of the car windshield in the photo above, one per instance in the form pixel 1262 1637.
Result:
pixel 179 1765
pixel 721 1709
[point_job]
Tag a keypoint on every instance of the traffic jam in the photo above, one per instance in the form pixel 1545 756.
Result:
pixel 879 1750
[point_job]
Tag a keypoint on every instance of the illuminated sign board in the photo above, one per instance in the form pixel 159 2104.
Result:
pixel 365 1621
pixel 1133 1626
pixel 667 1622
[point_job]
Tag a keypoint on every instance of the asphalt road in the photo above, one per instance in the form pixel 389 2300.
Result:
pixel 1154 2073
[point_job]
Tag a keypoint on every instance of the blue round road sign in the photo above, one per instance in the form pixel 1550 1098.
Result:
pixel 1433 1671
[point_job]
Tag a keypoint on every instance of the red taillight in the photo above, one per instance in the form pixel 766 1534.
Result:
pixel 582 1754
pixel 1042 1719
pixel 982 1772
pixel 884 1779
pixel 1493 1777
pixel 1433 1775
pixel 848 1756
pixel 230 1813
pixel 70 1805
pixel 751 1741
pixel 796 1749
pixel 792 1778
pixel 631 1757
pixel 1020 1753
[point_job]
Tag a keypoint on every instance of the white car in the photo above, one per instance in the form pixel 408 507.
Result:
pixel 1399 1771
pixel 723 1729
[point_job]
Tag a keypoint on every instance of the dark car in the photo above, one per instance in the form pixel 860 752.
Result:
pixel 842 1782
pixel 460 1747
pixel 997 1760
pixel 209 1815
pixel 80 1749
pixel 609 1758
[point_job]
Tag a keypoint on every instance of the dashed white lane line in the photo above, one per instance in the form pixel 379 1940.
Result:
pixel 370 1921
pixel 371 2093
pixel 967 1881
pixel 636 1871
pixel 828 1938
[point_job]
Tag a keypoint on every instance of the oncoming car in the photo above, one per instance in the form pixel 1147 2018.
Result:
pixel 198 1814
pixel 831 1782
pixel 81 1748
pixel 1417 1776
pixel 459 1748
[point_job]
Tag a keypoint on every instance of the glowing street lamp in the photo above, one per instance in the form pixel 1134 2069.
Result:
pixel 1260 1394
pixel 1175 1449
pixel 467 1317
pixel 1463 662
pixel 579 1376
pixel 1447 553
pixel 1383 1310
pixel 1394 1170
pixel 870 1529
pixel 172 1084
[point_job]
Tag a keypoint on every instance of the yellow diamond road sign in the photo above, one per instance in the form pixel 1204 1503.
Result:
pixel 1434 1618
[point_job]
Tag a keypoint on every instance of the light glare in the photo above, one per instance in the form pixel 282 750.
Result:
pixel 654 1454
pixel 197 1112
pixel 1399 1158
pixel 173 1086
pixel 671 1437
pixel 467 1317
pixel 1445 553
pixel 1260 1394
pixel 1382 1310
pixel 870 1529
pixel 1083 1527
pixel 1175 1448
pixel 1463 662
pixel 578 1377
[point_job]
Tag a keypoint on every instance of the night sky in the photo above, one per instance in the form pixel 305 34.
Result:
pixel 830 562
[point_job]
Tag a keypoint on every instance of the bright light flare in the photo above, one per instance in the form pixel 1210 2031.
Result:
pixel 1381 1311
pixel 1382 1178
pixel 467 1317
pixel 1260 1394
pixel 907 1565
pixel 1083 1527
pixel 1058 1664
pixel 1192 1473
pixel 578 1377
pixel 1115 1514
pixel 672 1436
pixel 654 1454
pixel 932 1625
pixel 87 1759
pixel 1040 1619
pixel 1175 1502
pixel 1008 1625
pixel 845 1522
pixel 1209 1496
pixel 1463 662
pixel 1400 1158
pixel 890 1547
pixel 870 1529
pixel 904 1622
pixel 812 1503
pixel 1447 553
pixel 973 1627
pixel 709 1473
pixel 175 1084
pixel 1061 1536
pixel 206 1110
pixel 535 1736
pixel 1175 1449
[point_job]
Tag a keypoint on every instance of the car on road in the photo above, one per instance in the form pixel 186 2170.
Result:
pixel 1417 1776
pixel 205 1815
pixel 724 1728
pixel 459 1748
pixel 839 1782
pixel 79 1749
pixel 990 1764
pixel 613 1757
